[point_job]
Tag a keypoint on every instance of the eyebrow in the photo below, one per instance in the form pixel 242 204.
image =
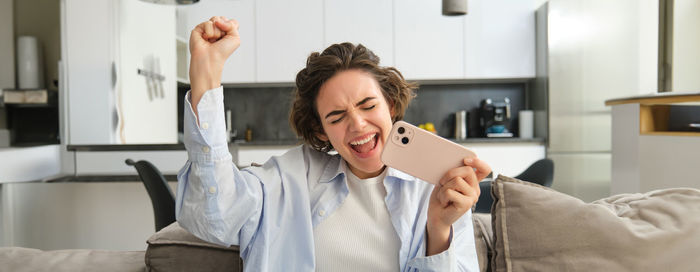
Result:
pixel 337 112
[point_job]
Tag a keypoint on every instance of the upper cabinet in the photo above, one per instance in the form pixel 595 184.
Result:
pixel 427 44
pixel 89 73
pixel 146 85
pixel 240 67
pixel 496 39
pixel 499 39
pixel 353 21
pixel 287 32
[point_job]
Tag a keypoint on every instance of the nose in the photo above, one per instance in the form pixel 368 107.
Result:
pixel 357 121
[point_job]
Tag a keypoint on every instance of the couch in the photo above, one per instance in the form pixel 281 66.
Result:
pixel 530 228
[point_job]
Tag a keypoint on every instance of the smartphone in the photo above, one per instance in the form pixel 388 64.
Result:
pixel 422 154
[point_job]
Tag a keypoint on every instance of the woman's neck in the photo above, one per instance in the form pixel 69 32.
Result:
pixel 365 175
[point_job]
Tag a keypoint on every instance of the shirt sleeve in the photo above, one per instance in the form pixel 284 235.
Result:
pixel 215 201
pixel 459 256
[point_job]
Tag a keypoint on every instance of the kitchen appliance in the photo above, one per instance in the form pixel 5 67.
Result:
pixel 494 117
pixel 30 71
pixel 461 125
pixel 454 7
pixel 526 127
pixel 172 2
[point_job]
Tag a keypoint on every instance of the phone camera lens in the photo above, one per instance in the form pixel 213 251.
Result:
pixel 404 140
pixel 401 130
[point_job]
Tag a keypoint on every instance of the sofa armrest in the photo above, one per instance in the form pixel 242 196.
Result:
pixel 175 249
pixel 28 259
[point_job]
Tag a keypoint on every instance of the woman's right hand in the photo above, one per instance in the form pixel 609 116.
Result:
pixel 211 43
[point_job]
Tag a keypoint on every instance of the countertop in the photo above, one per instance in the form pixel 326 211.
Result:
pixel 656 98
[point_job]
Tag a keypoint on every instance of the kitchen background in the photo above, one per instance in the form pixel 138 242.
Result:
pixel 560 58
pixel 265 110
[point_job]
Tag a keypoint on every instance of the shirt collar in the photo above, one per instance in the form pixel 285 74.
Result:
pixel 335 169
pixel 391 172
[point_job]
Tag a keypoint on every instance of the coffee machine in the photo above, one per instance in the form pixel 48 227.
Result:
pixel 494 117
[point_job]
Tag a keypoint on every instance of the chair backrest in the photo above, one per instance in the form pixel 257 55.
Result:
pixel 162 198
pixel 540 172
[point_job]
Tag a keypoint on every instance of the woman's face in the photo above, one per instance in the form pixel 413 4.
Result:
pixel 356 119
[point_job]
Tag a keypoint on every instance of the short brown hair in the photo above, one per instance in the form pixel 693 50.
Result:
pixel 320 67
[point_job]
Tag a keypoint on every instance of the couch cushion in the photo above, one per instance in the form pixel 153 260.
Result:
pixel 19 259
pixel 175 249
pixel 539 229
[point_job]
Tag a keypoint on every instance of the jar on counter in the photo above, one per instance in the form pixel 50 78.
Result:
pixel 248 134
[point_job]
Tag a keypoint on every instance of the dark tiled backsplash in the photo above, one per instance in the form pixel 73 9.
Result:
pixel 265 110
pixel 439 103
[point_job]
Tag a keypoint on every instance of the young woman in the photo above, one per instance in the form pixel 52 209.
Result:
pixel 310 209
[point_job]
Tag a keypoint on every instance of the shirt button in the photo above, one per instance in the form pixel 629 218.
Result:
pixel 212 190
pixel 205 125
pixel 205 149
pixel 321 212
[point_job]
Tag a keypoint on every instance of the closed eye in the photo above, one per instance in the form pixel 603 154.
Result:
pixel 370 107
pixel 337 120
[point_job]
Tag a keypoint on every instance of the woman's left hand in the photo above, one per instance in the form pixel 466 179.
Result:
pixel 457 192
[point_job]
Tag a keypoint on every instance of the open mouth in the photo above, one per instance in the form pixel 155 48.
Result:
pixel 366 144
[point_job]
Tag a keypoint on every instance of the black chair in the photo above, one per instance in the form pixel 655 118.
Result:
pixel 541 172
pixel 162 197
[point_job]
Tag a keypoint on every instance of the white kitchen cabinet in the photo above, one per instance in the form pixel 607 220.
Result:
pixel 508 159
pixel 240 67
pixel 427 44
pixel 499 39
pixel 146 95
pixel 287 32
pixel 88 71
pixel 24 164
pixel 355 22
pixel 121 81
pixel 495 40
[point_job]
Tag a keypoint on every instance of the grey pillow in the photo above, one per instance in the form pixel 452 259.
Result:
pixel 175 249
pixel 539 229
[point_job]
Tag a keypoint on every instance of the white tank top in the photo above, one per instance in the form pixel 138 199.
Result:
pixel 359 235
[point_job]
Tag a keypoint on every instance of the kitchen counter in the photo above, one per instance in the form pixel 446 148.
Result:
pixel 21 164
pixel 656 98
pixel 122 147
pixel 105 163
pixel 264 143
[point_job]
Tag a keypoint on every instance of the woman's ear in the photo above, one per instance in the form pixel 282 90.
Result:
pixel 322 136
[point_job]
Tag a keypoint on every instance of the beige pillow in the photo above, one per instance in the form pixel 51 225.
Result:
pixel 175 249
pixel 539 229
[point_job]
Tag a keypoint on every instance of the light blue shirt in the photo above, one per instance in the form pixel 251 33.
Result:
pixel 270 211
